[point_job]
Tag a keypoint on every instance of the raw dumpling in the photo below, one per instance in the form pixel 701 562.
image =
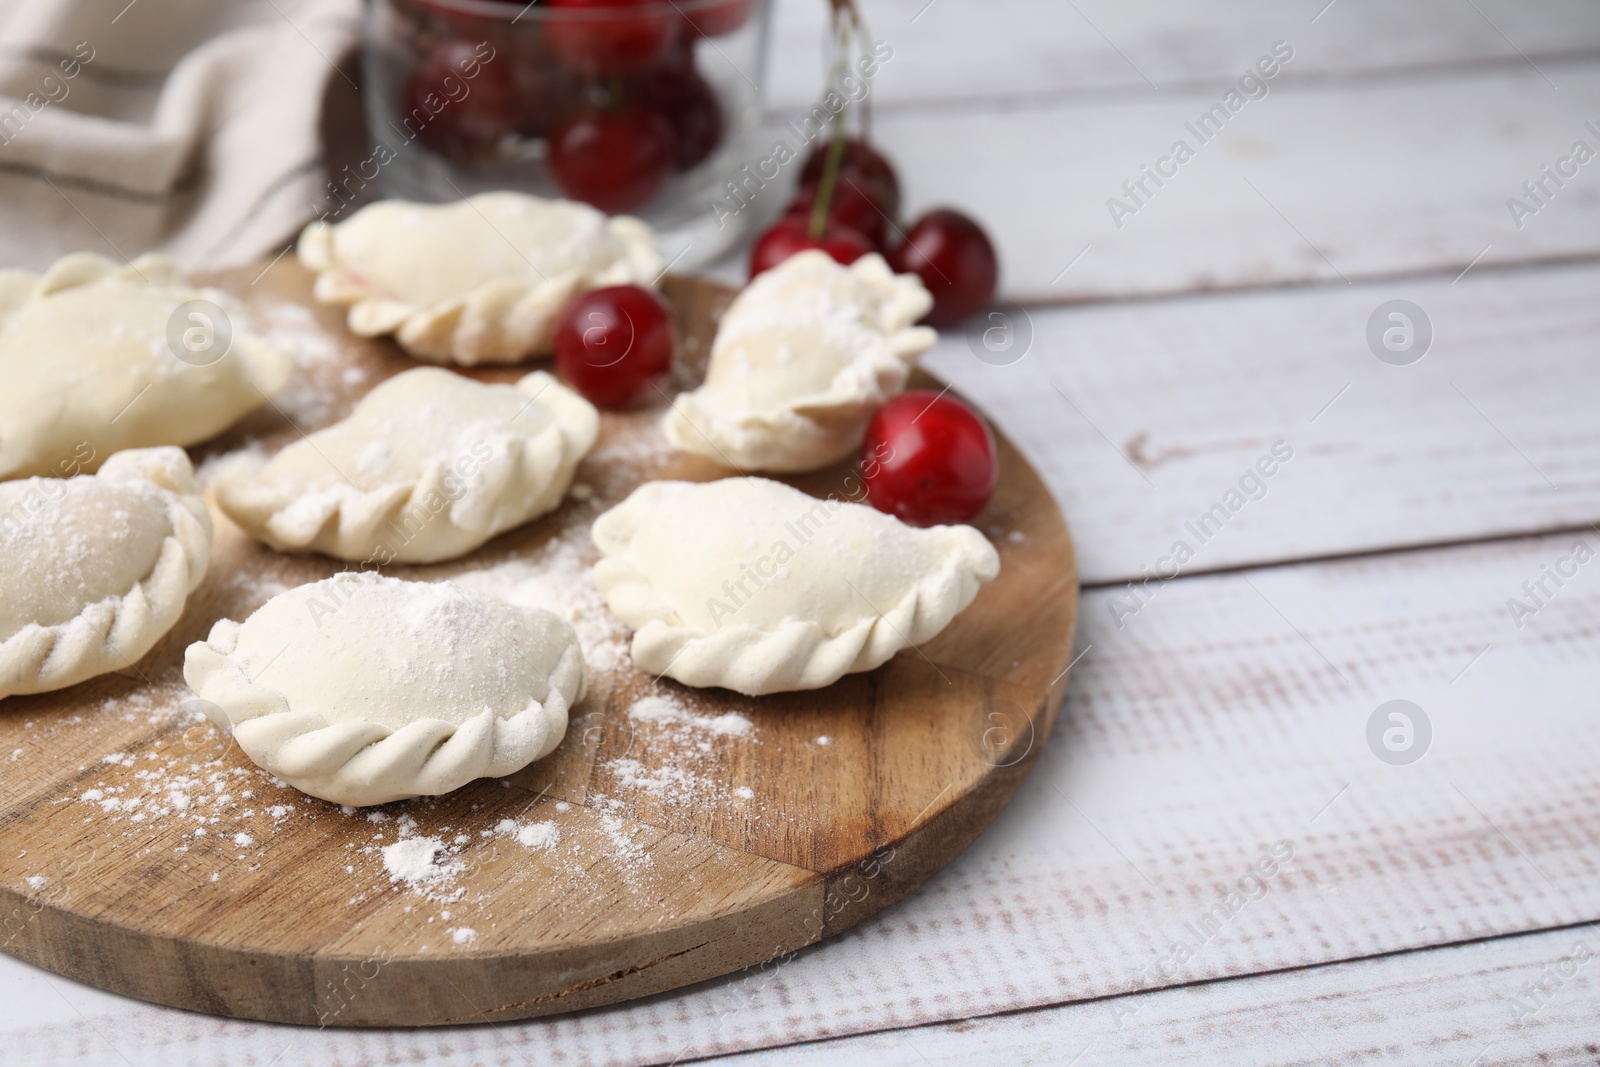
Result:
pixel 94 569
pixel 477 281
pixel 362 689
pixel 754 586
pixel 89 362
pixel 801 360
pixel 428 466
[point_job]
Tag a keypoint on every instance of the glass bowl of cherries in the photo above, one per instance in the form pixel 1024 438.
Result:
pixel 638 107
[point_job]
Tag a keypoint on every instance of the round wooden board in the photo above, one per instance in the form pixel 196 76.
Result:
pixel 147 856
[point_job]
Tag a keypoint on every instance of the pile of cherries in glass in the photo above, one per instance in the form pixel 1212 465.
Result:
pixel 611 85
pixel 860 211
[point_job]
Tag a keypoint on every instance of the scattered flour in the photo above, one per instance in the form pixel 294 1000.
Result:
pixel 411 860
pixel 463 935
pixel 258 589
pixel 213 467
pixel 672 782
pixel 683 771
pixel 660 709
pixel 632 857
pixel 533 835
pixel 293 329
pixel 631 456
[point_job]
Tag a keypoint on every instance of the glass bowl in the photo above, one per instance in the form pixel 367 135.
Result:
pixel 645 110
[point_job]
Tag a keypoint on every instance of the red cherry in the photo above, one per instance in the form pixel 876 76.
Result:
pixel 461 103
pixel 928 460
pixel 873 172
pixel 696 116
pixel 612 343
pixel 613 160
pixel 715 20
pixel 790 235
pixel 953 257
pixel 690 105
pixel 851 204
pixel 608 37
pixel 546 91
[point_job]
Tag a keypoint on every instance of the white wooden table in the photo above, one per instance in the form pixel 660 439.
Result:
pixel 1442 910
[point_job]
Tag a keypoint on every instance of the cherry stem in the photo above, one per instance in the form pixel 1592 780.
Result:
pixel 842 9
pixel 830 178
pixel 830 167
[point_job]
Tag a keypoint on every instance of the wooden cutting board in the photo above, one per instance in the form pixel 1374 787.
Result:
pixel 676 835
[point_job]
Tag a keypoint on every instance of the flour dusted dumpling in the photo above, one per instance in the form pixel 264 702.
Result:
pixel 362 689
pixel 96 357
pixel 801 360
pixel 428 466
pixel 95 569
pixel 477 281
pixel 754 586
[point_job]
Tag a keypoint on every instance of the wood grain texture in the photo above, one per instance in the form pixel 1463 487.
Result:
pixel 1508 1002
pixel 1215 715
pixel 1515 1001
pixel 1143 416
pixel 973 55
pixel 1315 182
pixel 146 855
pixel 1192 739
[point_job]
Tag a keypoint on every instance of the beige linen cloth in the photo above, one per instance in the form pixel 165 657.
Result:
pixel 188 127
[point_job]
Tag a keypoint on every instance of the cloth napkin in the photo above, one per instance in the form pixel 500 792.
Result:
pixel 188 127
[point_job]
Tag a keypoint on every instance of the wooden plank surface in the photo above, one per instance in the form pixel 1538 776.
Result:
pixel 1205 731
pixel 1323 182
pixel 952 53
pixel 1326 181
pixel 1507 1002
pixel 1391 143
pixel 1143 416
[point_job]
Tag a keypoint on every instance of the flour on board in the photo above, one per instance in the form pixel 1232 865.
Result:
pixel 541 835
pixel 666 710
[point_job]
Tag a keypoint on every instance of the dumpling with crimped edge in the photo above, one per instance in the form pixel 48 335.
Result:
pixel 99 357
pixel 481 280
pixel 801 360
pixel 95 569
pixel 428 466
pixel 362 689
pixel 754 586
